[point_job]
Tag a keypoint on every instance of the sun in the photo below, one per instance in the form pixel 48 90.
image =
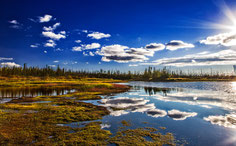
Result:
pixel 228 22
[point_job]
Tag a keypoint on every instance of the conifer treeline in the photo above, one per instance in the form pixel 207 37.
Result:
pixel 149 73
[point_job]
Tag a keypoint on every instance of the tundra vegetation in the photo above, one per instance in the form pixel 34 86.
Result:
pixel 40 120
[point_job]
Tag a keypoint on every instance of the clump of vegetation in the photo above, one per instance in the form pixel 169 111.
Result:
pixel 142 137
pixel 125 123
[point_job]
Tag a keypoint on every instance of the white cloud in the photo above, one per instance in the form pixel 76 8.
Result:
pixel 51 28
pixel 124 54
pixel 98 35
pixel 155 46
pixel 177 44
pixel 50 43
pixel 85 31
pixel 10 64
pixel 78 41
pixel 34 46
pixel 45 52
pixel 53 35
pixel 63 32
pixel 45 18
pixel 86 47
pixel 91 46
pixel 77 48
pixel 225 39
pixel 91 54
pixel 84 53
pixel 56 61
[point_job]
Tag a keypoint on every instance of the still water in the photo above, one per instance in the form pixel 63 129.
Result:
pixel 7 94
pixel 202 113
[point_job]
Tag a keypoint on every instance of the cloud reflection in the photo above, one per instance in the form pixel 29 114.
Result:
pixel 179 115
pixel 229 120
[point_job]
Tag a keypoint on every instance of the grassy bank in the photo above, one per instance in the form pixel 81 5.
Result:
pixel 39 120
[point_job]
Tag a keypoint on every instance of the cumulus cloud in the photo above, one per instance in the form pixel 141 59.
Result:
pixel 10 64
pixel 225 39
pixel 77 48
pixel 179 115
pixel 45 52
pixel 124 54
pixel 34 46
pixel 155 46
pixel 49 32
pixel 78 41
pixel 45 18
pixel 91 46
pixel 56 61
pixel 51 28
pixel 85 31
pixel 229 120
pixel 87 47
pixel 224 57
pixel 91 54
pixel 52 35
pixel 177 44
pixel 50 43
pixel 98 35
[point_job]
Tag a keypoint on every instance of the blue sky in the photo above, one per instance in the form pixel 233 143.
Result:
pixel 118 34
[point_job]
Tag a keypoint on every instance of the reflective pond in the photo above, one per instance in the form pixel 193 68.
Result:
pixel 202 113
pixel 6 94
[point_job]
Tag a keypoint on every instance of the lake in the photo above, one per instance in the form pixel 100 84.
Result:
pixel 200 113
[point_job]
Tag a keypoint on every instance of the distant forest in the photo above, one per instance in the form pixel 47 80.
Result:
pixel 149 74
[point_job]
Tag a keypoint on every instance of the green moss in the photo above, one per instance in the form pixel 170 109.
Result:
pixel 125 123
pixel 142 137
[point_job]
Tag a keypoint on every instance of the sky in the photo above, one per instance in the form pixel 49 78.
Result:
pixel 118 34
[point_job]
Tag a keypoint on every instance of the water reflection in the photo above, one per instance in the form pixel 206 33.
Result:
pixel 125 105
pixel 204 98
pixel 179 115
pixel 32 92
pixel 229 120
pixel 152 90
